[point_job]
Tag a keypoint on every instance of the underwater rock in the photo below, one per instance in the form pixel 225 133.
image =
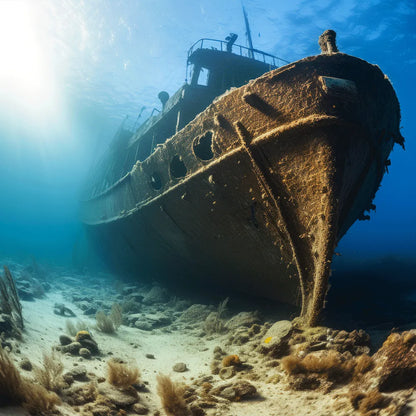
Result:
pixel 275 341
pixel 25 294
pixel 78 373
pixel 118 397
pixel 240 337
pixel 181 304
pixel 25 364
pixel 180 367
pixel 87 342
pixel 396 362
pixel 194 313
pixel 243 319
pixel 62 310
pixel 85 353
pixel 151 321
pixel 226 373
pixel 140 409
pixel 131 306
pixel 156 294
pixel 239 390
pixel 143 325
pixel 92 310
pixel 91 345
pixel 65 339
pixel 72 348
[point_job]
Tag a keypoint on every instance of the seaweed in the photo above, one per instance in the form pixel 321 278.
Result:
pixel 9 300
pixel 121 375
pixel 216 324
pixel 172 396
pixel 109 323
pixel 50 375
pixel 15 389
pixel 104 323
pixel 72 329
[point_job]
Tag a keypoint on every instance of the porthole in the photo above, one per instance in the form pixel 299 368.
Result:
pixel 155 181
pixel 202 146
pixel 177 167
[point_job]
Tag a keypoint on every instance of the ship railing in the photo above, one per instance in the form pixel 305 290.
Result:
pixel 220 45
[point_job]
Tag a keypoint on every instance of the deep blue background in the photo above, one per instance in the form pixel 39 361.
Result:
pixel 105 59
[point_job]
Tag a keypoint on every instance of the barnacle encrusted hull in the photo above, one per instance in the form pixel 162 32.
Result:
pixel 258 189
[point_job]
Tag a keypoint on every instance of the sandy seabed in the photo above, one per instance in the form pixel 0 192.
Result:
pixel 160 330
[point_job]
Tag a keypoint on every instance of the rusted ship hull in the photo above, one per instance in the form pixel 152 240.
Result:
pixel 294 158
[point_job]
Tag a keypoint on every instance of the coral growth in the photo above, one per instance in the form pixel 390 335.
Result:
pixel 172 396
pixel 121 375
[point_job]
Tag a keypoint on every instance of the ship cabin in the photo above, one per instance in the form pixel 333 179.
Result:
pixel 213 67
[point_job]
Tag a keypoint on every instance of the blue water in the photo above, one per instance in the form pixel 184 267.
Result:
pixel 72 70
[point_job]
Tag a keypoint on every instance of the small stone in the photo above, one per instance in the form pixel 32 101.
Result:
pixel 228 393
pixel 79 373
pixel 227 372
pixel 85 353
pixel 65 339
pixel 275 341
pixel 25 364
pixel 243 389
pixel 72 348
pixel 195 313
pixel 140 409
pixel 144 326
pixel 90 344
pixel 180 367
pixel 68 378
pixel 118 397
pixel 156 295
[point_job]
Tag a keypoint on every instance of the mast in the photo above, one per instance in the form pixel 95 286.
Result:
pixel 248 33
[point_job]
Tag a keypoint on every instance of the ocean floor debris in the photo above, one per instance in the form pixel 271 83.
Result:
pixel 250 366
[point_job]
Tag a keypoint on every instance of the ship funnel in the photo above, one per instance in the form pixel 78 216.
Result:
pixel 163 97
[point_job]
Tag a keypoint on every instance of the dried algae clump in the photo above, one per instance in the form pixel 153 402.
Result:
pixel 172 396
pixel 121 375
pixel 15 389
pixel 231 360
pixel 39 401
pixel 109 323
pixel 365 403
pixel 50 375
pixel 329 365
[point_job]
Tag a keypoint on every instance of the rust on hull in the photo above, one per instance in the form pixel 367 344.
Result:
pixel 258 189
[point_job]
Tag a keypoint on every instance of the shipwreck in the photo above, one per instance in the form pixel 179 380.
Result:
pixel 250 174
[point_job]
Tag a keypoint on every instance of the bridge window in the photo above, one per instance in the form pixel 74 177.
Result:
pixel 203 77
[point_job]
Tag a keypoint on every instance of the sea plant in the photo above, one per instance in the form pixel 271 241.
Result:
pixel 50 374
pixel 9 300
pixel 16 390
pixel 121 374
pixel 172 396
pixel 109 323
